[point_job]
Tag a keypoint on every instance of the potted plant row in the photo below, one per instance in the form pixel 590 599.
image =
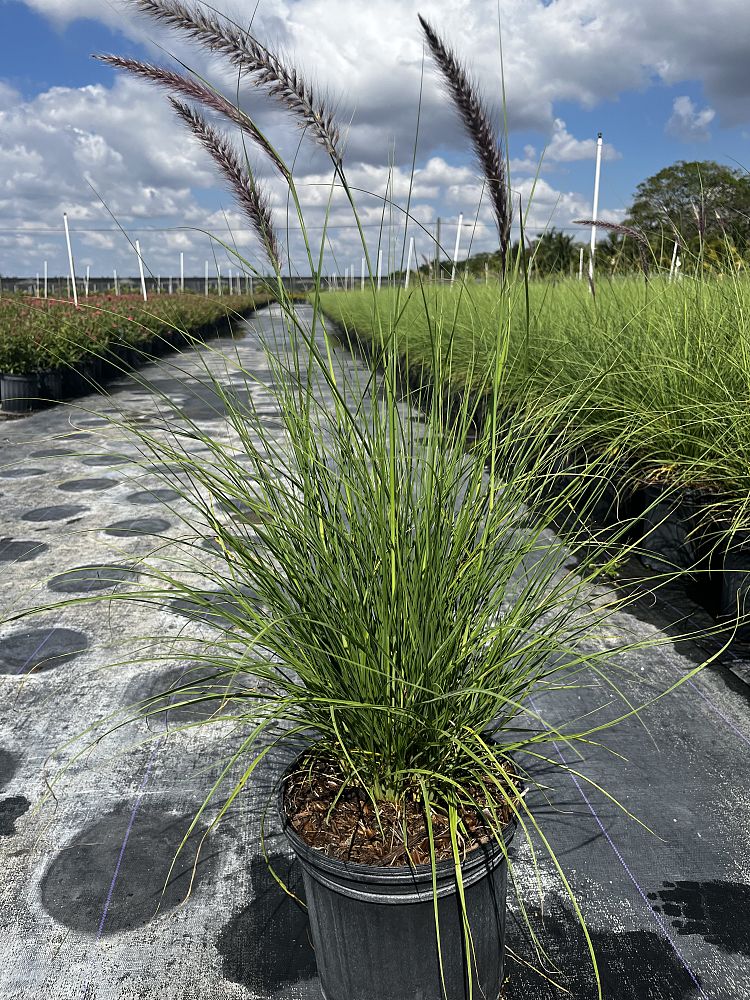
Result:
pixel 64 354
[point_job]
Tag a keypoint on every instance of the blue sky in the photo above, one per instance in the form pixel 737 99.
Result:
pixel 662 83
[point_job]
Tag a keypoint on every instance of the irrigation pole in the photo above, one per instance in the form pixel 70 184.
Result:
pixel 230 280
pixel 455 249
pixel 674 262
pixel 37 285
pixel 182 271
pixel 408 262
pixel 218 277
pixel 580 264
pixel 595 212
pixel 117 284
pixel 170 284
pixel 437 250
pixel 140 269
pixel 205 279
pixel 88 278
pixel 45 279
pixel 70 259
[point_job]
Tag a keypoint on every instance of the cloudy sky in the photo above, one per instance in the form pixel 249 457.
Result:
pixel 662 80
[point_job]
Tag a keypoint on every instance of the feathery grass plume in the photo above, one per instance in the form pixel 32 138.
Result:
pixel 195 90
pixel 478 124
pixel 247 54
pixel 249 194
pixel 641 240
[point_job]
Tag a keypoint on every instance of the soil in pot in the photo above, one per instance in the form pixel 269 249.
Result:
pixel 372 913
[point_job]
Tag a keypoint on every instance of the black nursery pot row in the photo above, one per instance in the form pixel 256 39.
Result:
pixel 35 390
pixel 678 533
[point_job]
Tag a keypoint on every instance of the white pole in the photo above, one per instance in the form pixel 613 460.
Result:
pixel 117 284
pixel 580 264
pixel 182 271
pixel 455 249
pixel 362 275
pixel 380 268
pixel 170 284
pixel 36 287
pixel 674 261
pixel 218 278
pixel 486 273
pixel 408 262
pixel 596 205
pixel 230 280
pixel 158 284
pixel 70 259
pixel 205 279
pixel 88 276
pixel 45 279
pixel 140 269
pixel 251 284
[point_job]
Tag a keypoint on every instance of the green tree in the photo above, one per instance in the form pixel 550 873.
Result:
pixel 553 252
pixel 697 199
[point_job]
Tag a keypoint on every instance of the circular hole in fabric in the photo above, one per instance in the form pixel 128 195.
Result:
pixel 40 649
pixel 83 579
pixel 137 526
pixel 59 512
pixel 95 885
pixel 13 550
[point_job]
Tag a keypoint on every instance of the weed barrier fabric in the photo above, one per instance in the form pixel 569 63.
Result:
pixel 82 911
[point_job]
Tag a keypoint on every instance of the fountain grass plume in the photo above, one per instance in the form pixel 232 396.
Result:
pixel 246 189
pixel 195 90
pixel 641 240
pixel 477 122
pixel 246 53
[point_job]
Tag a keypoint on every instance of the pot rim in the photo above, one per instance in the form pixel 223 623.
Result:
pixel 479 859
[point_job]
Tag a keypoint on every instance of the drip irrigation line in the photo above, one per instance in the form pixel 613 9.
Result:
pixel 641 892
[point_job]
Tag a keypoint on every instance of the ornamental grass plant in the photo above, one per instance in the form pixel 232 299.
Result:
pixel 385 592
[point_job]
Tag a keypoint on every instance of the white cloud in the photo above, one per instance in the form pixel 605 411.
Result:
pixel 689 124
pixel 62 149
pixel 573 50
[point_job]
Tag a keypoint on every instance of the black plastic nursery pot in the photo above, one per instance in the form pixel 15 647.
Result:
pixel 668 528
pixel 52 385
pixel 373 928
pixel 730 577
pixel 82 377
pixel 20 393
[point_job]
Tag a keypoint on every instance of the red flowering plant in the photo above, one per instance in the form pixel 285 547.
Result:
pixel 37 334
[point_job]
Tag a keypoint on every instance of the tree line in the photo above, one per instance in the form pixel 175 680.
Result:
pixel 701 207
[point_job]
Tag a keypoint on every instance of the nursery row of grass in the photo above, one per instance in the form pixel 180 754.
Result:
pixel 42 334
pixel 659 371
